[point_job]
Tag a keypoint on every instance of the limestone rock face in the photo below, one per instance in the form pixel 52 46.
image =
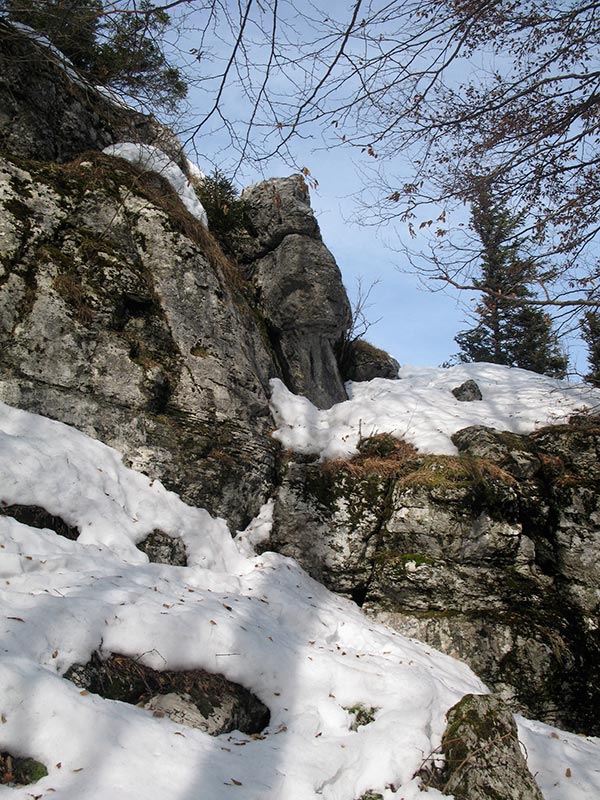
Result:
pixel 483 757
pixel 298 287
pixel 491 556
pixel 113 318
pixel 330 523
pixel 46 115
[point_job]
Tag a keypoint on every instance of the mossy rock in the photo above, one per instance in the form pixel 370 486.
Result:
pixel 164 549
pixel 483 757
pixel 361 361
pixel 220 701
pixel 19 771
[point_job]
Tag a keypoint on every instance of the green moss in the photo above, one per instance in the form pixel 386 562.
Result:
pixel 18 771
pixel 358 495
pixel 363 715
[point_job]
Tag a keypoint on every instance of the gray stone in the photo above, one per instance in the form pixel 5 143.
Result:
pixel 298 287
pixel 164 549
pixel 491 556
pixel 113 319
pixel 363 362
pixel 467 392
pixel 483 757
pixel 328 521
pixel 196 698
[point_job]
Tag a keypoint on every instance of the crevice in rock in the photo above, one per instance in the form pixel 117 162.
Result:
pixel 195 698
pixel 132 306
pixel 359 593
pixel 161 392
pixel 274 337
pixel 38 517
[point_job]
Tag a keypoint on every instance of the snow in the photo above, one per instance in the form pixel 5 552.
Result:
pixel 194 171
pixel 59 58
pixel 259 620
pixel 150 158
pixel 421 409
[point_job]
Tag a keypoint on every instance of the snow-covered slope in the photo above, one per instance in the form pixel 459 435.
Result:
pixel 262 622
pixel 421 408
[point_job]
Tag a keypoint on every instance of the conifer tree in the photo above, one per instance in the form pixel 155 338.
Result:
pixel 590 333
pixel 507 331
pixel 122 51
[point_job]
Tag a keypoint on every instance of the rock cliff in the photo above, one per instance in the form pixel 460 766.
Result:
pixel 491 555
pixel 121 315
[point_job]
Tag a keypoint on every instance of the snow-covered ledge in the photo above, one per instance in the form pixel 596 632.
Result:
pixel 150 158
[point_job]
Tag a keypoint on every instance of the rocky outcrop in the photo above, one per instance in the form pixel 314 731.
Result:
pixel 483 758
pixel 491 556
pixel 49 113
pixel 120 316
pixel 363 362
pixel 299 288
pixel 467 392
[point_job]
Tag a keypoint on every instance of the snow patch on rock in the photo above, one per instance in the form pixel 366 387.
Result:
pixel 152 159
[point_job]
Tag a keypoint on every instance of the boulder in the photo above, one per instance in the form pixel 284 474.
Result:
pixel 467 392
pixel 196 698
pixel 363 362
pixel 483 757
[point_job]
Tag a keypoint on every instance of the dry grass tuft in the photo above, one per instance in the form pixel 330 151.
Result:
pixel 394 459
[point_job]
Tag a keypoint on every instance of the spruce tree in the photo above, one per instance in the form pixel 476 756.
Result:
pixel 590 333
pixel 507 331
pixel 122 51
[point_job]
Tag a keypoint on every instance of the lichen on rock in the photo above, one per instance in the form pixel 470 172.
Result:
pixel 483 760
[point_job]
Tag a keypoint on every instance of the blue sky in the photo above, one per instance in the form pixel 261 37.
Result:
pixel 415 325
